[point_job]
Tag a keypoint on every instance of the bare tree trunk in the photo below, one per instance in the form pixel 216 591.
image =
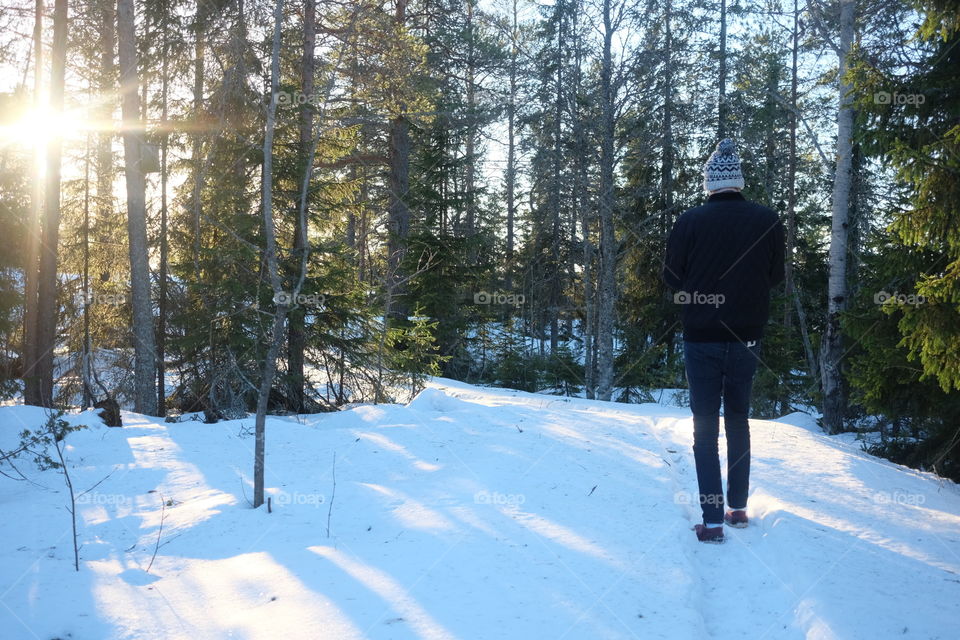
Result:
pixel 666 167
pixel 804 335
pixel 791 178
pixel 722 75
pixel 196 150
pixel 106 86
pixel 471 161
pixel 364 266
pixel 832 347
pixel 792 293
pixel 511 177
pixel 47 307
pixel 791 201
pixel 296 337
pixel 351 231
pixel 555 278
pixel 356 223
pixel 584 208
pixel 31 383
pixel 270 258
pixel 589 298
pixel 608 241
pixel 770 142
pixel 107 82
pixel 398 211
pixel 145 394
pixel 85 351
pixel 162 301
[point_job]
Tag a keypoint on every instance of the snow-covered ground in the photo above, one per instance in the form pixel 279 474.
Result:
pixel 469 513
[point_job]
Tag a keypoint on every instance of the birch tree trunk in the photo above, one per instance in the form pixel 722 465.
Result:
pixel 270 258
pixel 145 393
pixel 832 347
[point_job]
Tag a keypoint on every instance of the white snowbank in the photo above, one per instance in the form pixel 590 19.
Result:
pixel 470 513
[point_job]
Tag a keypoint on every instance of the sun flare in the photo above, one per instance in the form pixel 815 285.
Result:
pixel 35 128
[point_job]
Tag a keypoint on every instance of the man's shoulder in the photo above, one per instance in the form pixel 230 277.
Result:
pixel 692 213
pixel 760 212
pixel 763 209
pixel 709 208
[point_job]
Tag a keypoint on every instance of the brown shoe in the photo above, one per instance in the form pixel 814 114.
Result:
pixel 736 518
pixel 713 535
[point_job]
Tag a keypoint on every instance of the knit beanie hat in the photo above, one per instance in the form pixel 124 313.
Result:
pixel 723 168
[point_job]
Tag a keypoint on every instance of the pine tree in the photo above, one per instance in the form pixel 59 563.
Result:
pixel 909 366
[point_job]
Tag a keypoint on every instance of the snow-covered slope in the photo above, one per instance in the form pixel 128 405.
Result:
pixel 469 513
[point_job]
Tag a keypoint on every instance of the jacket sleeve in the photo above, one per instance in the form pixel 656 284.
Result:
pixel 777 252
pixel 675 259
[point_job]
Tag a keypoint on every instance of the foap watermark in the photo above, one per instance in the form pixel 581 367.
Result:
pixel 501 499
pixel 695 297
pixel 885 97
pixel 104 499
pixel 297 498
pixel 899 497
pixel 499 297
pixel 911 299
pixel 687 498
pixel 295 99
pixel 301 299
pixel 84 298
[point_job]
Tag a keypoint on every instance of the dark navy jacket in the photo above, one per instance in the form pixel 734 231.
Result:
pixel 722 259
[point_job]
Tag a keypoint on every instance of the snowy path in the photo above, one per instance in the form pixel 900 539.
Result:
pixel 471 513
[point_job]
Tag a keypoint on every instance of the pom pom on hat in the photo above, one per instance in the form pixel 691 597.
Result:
pixel 723 168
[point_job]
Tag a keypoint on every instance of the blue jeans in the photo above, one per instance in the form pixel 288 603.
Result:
pixel 718 370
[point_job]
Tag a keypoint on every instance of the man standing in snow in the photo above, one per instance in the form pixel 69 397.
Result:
pixel 722 259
